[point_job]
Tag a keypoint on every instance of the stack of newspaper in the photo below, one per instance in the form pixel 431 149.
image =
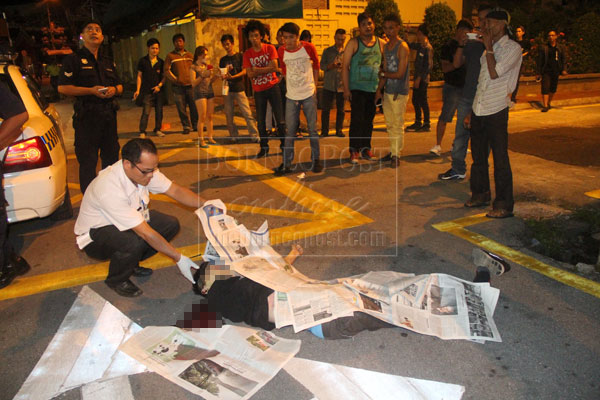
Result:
pixel 432 304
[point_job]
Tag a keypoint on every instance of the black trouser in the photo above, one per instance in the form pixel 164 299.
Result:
pixel 419 102
pixel 361 120
pixel 491 132
pixel 126 249
pixel 95 130
pixel 6 248
pixel 152 100
pixel 273 96
pixel 326 101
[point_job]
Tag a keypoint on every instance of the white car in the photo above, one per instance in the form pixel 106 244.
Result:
pixel 35 165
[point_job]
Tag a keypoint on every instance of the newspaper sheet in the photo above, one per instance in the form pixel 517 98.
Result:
pixel 432 304
pixel 226 363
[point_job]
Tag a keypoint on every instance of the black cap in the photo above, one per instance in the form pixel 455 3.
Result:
pixel 90 21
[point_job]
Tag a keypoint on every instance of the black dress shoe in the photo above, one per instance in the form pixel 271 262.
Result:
pixel 141 271
pixel 6 277
pixel 18 265
pixel 126 289
pixel 282 170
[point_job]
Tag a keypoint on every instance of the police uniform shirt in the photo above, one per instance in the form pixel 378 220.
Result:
pixel 82 69
pixel 10 105
pixel 113 199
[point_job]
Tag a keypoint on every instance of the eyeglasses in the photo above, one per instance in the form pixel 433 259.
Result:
pixel 146 172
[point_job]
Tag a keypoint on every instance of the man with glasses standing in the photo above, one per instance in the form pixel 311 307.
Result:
pixel 115 223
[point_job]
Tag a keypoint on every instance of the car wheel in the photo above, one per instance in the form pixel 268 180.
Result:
pixel 65 210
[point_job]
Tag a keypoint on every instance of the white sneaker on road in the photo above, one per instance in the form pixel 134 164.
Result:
pixel 437 150
pixel 159 134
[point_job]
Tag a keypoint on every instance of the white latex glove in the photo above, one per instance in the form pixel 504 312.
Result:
pixel 185 264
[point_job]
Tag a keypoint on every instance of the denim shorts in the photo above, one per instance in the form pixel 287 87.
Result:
pixel 450 96
pixel 203 96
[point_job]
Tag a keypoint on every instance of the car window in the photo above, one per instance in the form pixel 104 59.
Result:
pixel 35 91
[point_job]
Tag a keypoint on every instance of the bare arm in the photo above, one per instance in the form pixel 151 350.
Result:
pixel 184 196
pixel 403 52
pixel 459 58
pixel 447 66
pixel 349 51
pixel 167 72
pixel 156 241
pixel 11 128
pixel 138 85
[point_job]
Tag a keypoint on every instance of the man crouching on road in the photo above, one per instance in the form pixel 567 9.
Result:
pixel 115 223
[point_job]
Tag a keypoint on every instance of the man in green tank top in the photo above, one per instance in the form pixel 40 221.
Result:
pixel 360 74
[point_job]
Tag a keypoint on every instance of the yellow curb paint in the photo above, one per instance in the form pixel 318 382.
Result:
pixel 455 228
pixel 168 154
pixel 326 215
pixel 594 194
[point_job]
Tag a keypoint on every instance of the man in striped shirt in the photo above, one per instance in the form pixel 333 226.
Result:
pixel 500 64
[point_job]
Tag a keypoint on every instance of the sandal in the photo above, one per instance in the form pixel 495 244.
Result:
pixel 495 264
pixel 203 145
pixel 499 213
pixel 212 141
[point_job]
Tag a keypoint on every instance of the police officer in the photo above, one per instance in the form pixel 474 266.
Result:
pixel 92 78
pixel 14 115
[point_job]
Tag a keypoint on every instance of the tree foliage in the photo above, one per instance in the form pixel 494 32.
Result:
pixel 378 9
pixel 441 21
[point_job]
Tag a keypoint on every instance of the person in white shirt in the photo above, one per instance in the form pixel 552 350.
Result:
pixel 500 65
pixel 114 221
pixel 300 66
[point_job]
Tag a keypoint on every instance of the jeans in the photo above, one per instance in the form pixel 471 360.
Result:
pixel 461 137
pixel 361 120
pixel 393 111
pixel 183 96
pixel 492 131
pixel 273 96
pixel 125 248
pixel 292 120
pixel 242 102
pixel 149 101
pixel 327 99
pixel 419 102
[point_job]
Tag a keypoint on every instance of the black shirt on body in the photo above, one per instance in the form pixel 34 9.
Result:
pixel 151 74
pixel 456 77
pixel 10 105
pixel 82 69
pixel 236 60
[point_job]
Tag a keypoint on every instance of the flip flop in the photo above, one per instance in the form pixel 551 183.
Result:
pixel 496 264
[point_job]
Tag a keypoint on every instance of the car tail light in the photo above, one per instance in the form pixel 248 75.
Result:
pixel 26 154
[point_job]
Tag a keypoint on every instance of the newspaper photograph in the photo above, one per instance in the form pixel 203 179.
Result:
pixel 225 363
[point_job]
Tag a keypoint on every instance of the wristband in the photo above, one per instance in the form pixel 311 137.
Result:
pixel 490 52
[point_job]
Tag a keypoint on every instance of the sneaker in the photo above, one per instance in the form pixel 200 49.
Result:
pixel 186 131
pixel 323 134
pixel 437 150
pixel 159 134
pixel 262 153
pixel 340 134
pixel 354 157
pixel 282 170
pixel 387 157
pixel 450 175
pixel 424 128
pixel 545 109
pixel 495 264
pixel 368 155
pixel 317 167
pixel 414 127
pixel 142 135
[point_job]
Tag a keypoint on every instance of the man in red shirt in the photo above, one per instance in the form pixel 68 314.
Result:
pixel 260 63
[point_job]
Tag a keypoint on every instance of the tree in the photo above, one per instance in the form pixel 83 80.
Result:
pixel 378 9
pixel 441 21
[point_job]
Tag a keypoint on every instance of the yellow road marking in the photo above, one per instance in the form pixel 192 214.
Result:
pixel 457 228
pixel 594 194
pixel 326 215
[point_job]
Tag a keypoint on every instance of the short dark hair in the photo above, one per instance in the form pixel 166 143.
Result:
pixel 132 151
pixel 199 51
pixel 483 7
pixel 423 29
pixel 363 16
pixel 178 36
pixel 90 21
pixel 522 27
pixel 227 36
pixel 290 27
pixel 254 25
pixel 305 35
pixel 464 24
pixel 340 31
pixel 394 17
pixel 152 42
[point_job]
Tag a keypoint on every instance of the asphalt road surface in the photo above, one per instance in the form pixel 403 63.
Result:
pixel 549 321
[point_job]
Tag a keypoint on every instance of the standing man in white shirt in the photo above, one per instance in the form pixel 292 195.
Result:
pixel 115 223
pixel 300 66
pixel 500 65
